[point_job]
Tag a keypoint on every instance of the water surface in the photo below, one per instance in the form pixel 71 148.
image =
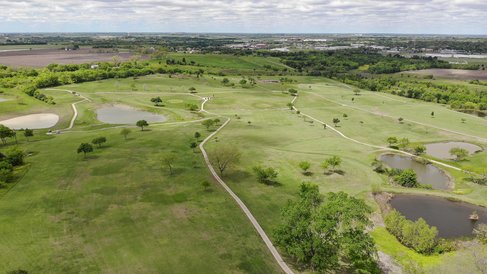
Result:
pixel 123 114
pixel 451 218
pixel 442 150
pixel 427 174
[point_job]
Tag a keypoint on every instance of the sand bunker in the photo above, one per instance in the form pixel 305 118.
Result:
pixel 32 121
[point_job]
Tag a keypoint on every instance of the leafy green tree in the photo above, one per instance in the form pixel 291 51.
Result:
pixel 420 236
pixel 99 141
pixel 205 184
pixel 336 121
pixel 243 82
pixel 334 161
pixel 391 140
pixel 6 170
pixel 328 235
pixel 459 153
pixel 85 148
pixel 15 156
pixel 208 123
pixel 290 106
pixel 400 119
pixel 142 124
pixel 265 175
pixel 225 81
pixel 5 133
pixel 293 91
pixel 192 107
pixel 356 91
pixel 224 157
pixel 156 100
pixel 403 143
pixel 407 178
pixel 378 166
pixel 197 135
pixel 419 149
pixel 305 166
pixel 325 165
pixel 125 132
pixel 193 145
pixel 28 133
pixel 192 90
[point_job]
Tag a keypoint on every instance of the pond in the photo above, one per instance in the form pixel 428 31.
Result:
pixel 32 121
pixel 427 174
pixel 123 114
pixel 442 150
pixel 451 218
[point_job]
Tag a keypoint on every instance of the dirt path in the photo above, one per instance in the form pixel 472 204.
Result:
pixel 371 145
pixel 242 206
pixel 73 105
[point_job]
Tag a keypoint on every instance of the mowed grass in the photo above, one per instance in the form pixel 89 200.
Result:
pixel 120 211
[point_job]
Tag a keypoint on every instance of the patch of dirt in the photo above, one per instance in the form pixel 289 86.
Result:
pixel 181 211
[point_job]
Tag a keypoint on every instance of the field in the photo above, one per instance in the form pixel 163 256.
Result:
pixel 121 211
pixel 44 57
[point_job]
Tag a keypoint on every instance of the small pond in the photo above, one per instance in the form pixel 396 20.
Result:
pixel 123 114
pixel 427 174
pixel 32 121
pixel 442 150
pixel 451 218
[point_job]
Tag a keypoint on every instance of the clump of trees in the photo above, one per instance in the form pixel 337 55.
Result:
pixel 327 234
pixel 416 235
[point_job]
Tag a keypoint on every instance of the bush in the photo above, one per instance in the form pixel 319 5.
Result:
pixel 407 178
pixel 15 156
pixel 265 175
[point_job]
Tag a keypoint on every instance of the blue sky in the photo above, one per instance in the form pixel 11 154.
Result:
pixel 301 16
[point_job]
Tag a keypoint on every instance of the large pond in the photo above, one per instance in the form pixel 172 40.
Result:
pixel 32 121
pixel 123 114
pixel 442 150
pixel 427 174
pixel 451 218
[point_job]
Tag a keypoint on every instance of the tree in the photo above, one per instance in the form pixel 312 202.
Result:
pixel 5 133
pixel 224 157
pixel 205 184
pixel 156 100
pixel 85 148
pixel 345 115
pixel 15 156
pixel 293 91
pixel 216 121
pixel 407 178
pixel 328 234
pixel 325 165
pixel 400 119
pixel 336 121
pixel 334 161
pixel 225 81
pixel 403 143
pixel 142 124
pixel 125 132
pixel 459 153
pixel 290 106
pixel 463 120
pixel 419 149
pixel 99 141
pixel 192 90
pixel 305 165
pixel 208 123
pixel 192 107
pixel 28 133
pixel 168 160
pixel 193 145
pixel 249 123
pixel 265 175
pixel 391 140
pixel 356 91
pixel 243 82
pixel 432 114
pixel 197 135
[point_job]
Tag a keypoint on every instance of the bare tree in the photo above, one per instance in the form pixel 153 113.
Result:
pixel 225 156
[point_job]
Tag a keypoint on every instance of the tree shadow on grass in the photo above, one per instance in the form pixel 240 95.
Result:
pixel 307 173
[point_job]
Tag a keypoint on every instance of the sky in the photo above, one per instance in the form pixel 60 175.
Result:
pixel 246 16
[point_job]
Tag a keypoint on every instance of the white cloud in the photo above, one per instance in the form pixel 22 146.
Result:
pixel 424 16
